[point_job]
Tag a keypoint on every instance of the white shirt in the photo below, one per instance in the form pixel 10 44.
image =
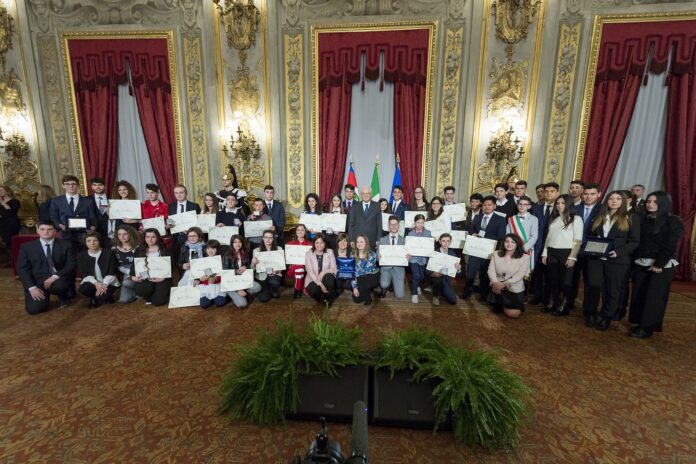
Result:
pixel 179 205
pixel 564 237
pixel 501 202
pixel 396 205
pixel 482 233
pixel 76 197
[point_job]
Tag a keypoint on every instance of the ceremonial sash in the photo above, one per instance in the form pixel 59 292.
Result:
pixel 518 229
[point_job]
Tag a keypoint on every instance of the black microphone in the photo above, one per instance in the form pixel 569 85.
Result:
pixel 358 442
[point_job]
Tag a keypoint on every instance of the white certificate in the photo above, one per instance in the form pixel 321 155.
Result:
pixel 211 264
pixel 155 223
pixel 439 226
pixel 458 238
pixel 183 221
pixel 270 260
pixel 456 212
pixel 206 222
pixel 295 254
pixel 230 281
pixel 183 297
pixel 222 234
pixel 256 228
pixel 124 209
pixel 312 221
pixel 420 246
pixel 479 247
pixel 392 255
pixel 157 266
pixel 443 263
pixel 335 222
pixel 385 224
pixel 77 223
pixel 409 218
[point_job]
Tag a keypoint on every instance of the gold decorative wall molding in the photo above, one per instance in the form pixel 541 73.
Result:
pixel 570 34
pixel 513 18
pixel 508 86
pixel 294 118
pixel 449 105
pixel 196 113
pixel 6 32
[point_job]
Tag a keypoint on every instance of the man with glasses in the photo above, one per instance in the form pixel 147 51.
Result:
pixel 526 226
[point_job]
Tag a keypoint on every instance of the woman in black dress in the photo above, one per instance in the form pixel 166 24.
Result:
pixel 654 263
pixel 9 222
pixel 98 269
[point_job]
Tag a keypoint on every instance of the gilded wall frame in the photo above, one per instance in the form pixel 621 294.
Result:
pixel 431 26
pixel 173 76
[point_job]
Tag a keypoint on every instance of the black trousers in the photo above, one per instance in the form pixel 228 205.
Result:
pixel 89 290
pixel 343 284
pixel 366 283
pixel 156 292
pixel 606 279
pixel 580 269
pixel 59 287
pixel 541 290
pixel 269 287
pixel 315 291
pixel 649 298
pixel 558 277
pixel 479 266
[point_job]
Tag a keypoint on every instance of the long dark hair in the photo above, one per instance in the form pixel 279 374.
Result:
pixel 274 243
pixel 243 252
pixel 568 215
pixel 317 208
pixel 142 249
pixel 431 213
pixel 519 250
pixel 414 205
pixel 664 208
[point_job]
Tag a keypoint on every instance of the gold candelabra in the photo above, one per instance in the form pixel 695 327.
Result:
pixel 245 152
pixel 502 156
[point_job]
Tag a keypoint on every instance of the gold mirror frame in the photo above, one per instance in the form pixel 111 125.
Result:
pixel 429 86
pixel 173 77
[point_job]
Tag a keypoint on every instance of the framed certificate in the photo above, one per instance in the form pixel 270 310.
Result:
pixel 270 260
pixel 440 262
pixel 439 226
pixel 183 221
pixel 184 297
pixel 77 223
pixel 156 267
pixel 313 222
pixel 456 212
pixel 335 222
pixel 124 209
pixel 479 247
pixel 205 266
pixel 420 246
pixel 295 254
pixel 206 222
pixel 458 238
pixel 392 255
pixel 256 228
pixel 222 234
pixel 598 246
pixel 385 224
pixel 230 281
pixel 155 223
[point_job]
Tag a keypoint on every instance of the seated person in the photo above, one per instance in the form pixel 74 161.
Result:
pixel 366 271
pixel 46 266
pixel 193 248
pixel 506 271
pixel 209 285
pixel 257 214
pixel 297 271
pixel 345 263
pixel 154 290
pixel 125 242
pixel 239 259
pixel 320 264
pixel 442 283
pixel 98 269
pixel 269 279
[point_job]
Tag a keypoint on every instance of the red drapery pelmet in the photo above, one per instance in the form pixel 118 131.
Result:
pixel 405 63
pixel 99 66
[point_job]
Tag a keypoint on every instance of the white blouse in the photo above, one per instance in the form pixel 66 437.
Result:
pixel 564 237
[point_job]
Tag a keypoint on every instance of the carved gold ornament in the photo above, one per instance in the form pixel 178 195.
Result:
pixel 294 120
pixel 512 19
pixel 507 86
pixel 6 31
pixel 502 156
pixel 244 90
pixel 241 22
pixel 11 100
pixel 20 170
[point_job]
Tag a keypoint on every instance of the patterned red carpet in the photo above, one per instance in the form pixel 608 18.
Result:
pixel 138 384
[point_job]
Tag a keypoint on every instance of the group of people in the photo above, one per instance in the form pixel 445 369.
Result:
pixel 542 249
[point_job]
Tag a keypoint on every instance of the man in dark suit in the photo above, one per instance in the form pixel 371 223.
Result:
pixel 181 205
pixel 487 225
pixel 504 204
pixel 365 218
pixel 349 195
pixel 101 209
pixel 398 205
pixel 46 266
pixel 275 210
pixel 74 206
pixel 639 190
pixel 542 211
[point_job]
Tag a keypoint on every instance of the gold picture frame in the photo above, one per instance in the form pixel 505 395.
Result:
pixel 431 26
pixel 173 76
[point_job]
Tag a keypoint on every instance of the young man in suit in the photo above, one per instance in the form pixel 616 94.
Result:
pixel 487 225
pixel 398 205
pixel 72 205
pixel 46 266
pixel 449 192
pixel 365 218
pixel 543 212
pixel 101 209
pixel 349 195
pixel 520 190
pixel 639 190
pixel 503 204
pixel 181 205
pixel 393 275
pixel 575 190
pixel 276 211
pixel 442 283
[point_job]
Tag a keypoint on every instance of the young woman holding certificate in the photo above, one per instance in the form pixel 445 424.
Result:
pixel 417 264
pixel 209 285
pixel 210 204
pixel 98 269
pixel 345 263
pixel 366 271
pixel 607 272
pixel 312 205
pixel 193 248
pixel 506 272
pixel 653 269
pixel 269 279
pixel 257 214
pixel 123 247
pixel 335 207
pixel 563 240
pixel 154 290
pixel 320 264
pixel 297 271
pixel 239 259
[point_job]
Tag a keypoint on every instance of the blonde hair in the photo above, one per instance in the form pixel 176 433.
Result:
pixel 356 252
pixel 45 193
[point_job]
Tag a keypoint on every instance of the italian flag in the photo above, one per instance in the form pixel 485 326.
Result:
pixel 375 183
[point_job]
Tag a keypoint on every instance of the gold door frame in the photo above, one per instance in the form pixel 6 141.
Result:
pixel 429 86
pixel 173 77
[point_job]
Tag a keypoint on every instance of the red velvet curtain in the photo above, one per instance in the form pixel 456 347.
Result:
pixel 99 66
pixel 405 64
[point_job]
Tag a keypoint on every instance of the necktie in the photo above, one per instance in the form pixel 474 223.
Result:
pixel 49 258
pixel 270 206
pixel 72 204
pixel 181 208
pixel 348 206
pixel 366 206
pixel 548 212
pixel 484 223
pixel 393 240
pixel 101 208
pixel 587 214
